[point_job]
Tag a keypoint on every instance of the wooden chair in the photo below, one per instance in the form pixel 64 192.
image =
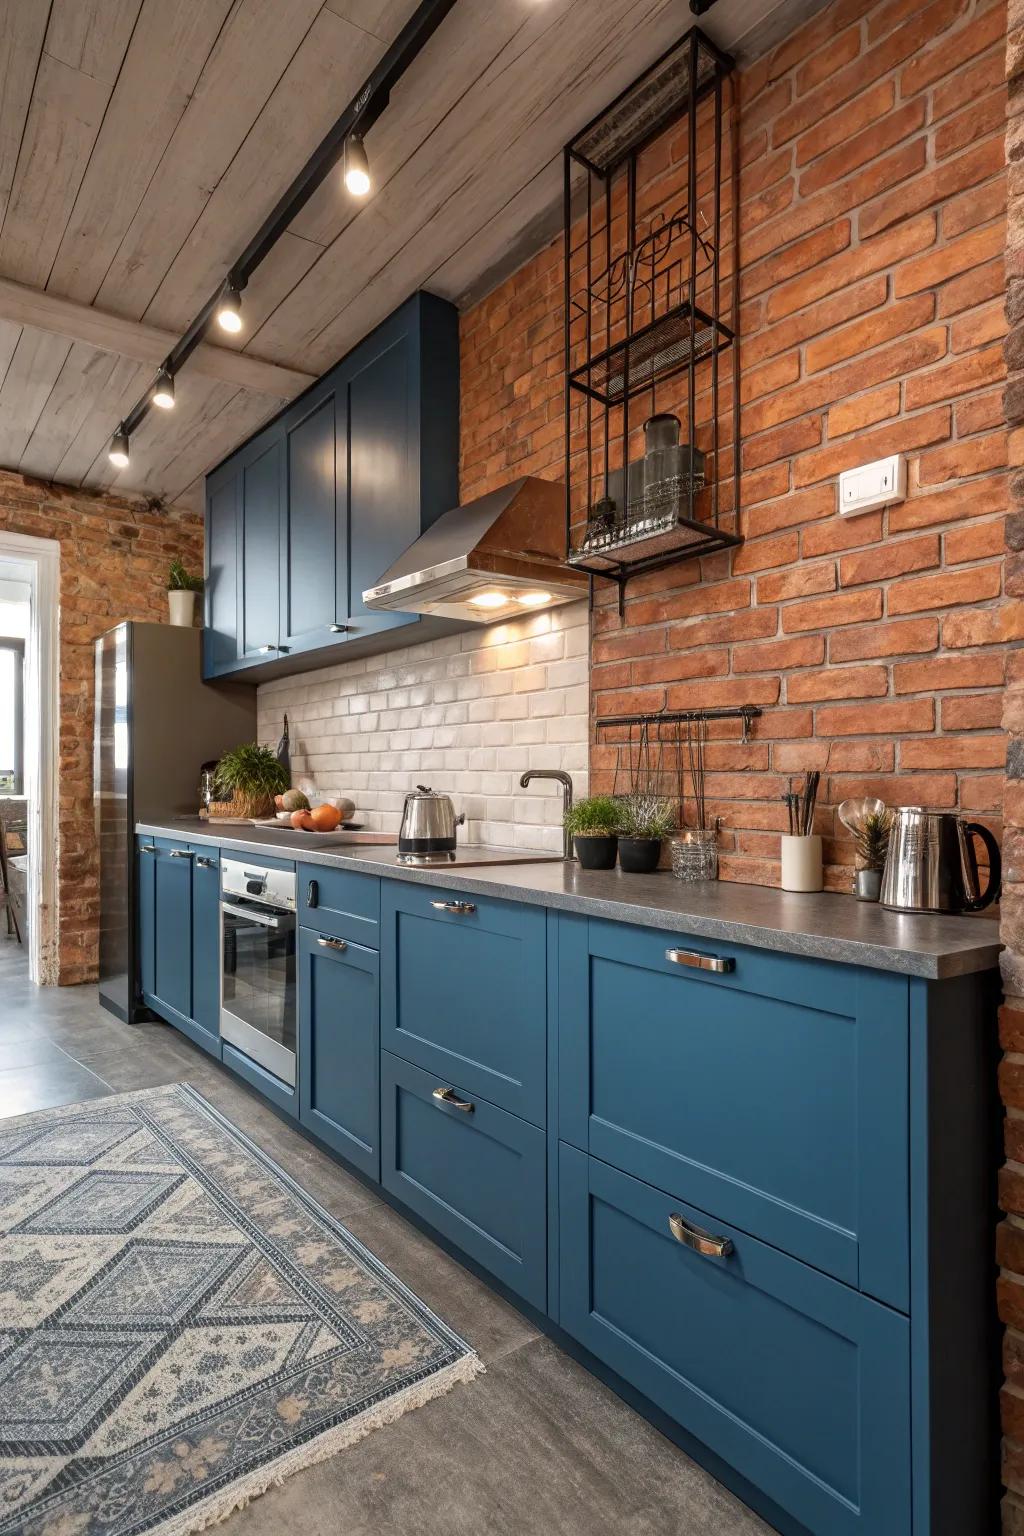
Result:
pixel 11 836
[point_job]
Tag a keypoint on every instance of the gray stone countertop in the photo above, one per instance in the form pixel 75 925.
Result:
pixel 824 926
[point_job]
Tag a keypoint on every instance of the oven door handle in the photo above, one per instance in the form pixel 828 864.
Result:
pixel 264 920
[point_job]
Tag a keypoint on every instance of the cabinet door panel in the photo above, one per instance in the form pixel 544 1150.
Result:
pixel 474 1172
pixel 206 942
pixel 463 992
pixel 147 856
pixel 339 1047
pixel 309 531
pixel 220 637
pixel 172 985
pixel 383 490
pixel 261 552
pixel 797 1381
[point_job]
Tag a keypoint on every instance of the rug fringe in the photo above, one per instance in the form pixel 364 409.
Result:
pixel 221 1506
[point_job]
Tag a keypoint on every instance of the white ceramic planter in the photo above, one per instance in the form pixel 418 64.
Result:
pixel 801 863
pixel 183 608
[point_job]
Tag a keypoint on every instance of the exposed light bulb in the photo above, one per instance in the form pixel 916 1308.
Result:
pixel 357 167
pixel 118 452
pixel 489 600
pixel 163 390
pixel 533 599
pixel 229 310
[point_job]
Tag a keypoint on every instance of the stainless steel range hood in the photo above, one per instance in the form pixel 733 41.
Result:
pixel 500 555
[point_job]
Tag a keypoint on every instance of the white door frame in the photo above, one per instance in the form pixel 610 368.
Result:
pixel 42 745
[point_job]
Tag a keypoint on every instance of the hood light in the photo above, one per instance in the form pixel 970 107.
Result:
pixel 490 600
pixel 533 599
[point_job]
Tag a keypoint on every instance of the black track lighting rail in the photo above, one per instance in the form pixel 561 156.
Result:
pixel 360 115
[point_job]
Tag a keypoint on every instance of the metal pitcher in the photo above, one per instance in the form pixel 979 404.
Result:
pixel 931 864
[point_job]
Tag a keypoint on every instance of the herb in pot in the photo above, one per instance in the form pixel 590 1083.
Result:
pixel 645 820
pixel 593 825
pixel 247 778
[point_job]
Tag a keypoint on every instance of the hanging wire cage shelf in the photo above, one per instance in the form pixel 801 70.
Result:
pixel 646 323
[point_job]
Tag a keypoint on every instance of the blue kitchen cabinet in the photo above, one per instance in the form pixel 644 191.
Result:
pixel 773 1091
pixel 463 992
pixel 165 927
pixel 340 903
pixel 339 1046
pixel 220 631
pixel 798 1382
pixel 473 1172
pixel 204 1024
pixel 314 508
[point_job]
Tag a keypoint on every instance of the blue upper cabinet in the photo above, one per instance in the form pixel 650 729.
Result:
pixel 313 509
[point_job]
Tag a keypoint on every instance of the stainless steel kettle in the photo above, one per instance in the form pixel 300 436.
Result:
pixel 931 864
pixel 428 824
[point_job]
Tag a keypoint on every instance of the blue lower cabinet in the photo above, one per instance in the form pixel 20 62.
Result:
pixel 464 992
pixel 339 903
pixel 146 853
pixel 473 1171
pixel 797 1381
pixel 165 927
pixel 773 1091
pixel 204 1025
pixel 339 1046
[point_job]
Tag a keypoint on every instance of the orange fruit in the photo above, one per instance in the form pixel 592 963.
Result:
pixel 326 818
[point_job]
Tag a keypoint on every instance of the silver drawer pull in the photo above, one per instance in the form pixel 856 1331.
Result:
pixel 340 629
pixel 180 853
pixel 459 907
pixel 147 848
pixel 450 1097
pixel 700 962
pixel 267 650
pixel 331 943
pixel 202 863
pixel 699 1240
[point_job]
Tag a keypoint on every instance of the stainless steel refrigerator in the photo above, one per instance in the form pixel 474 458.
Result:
pixel 157 722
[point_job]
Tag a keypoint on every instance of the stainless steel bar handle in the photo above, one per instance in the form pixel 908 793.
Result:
pixel 700 962
pixel 459 907
pixel 340 629
pixel 450 1097
pixel 267 650
pixel 180 853
pixel 696 1238
pixel 203 863
pixel 250 916
pixel 331 943
pixel 148 848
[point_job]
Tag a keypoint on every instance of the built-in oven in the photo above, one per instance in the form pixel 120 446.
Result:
pixel 257 991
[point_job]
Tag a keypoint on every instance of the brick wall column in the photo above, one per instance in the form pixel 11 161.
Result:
pixel 1011 1232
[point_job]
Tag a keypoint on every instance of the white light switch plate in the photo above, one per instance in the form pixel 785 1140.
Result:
pixel 873 485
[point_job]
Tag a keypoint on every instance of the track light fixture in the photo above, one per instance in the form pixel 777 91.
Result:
pixel 163 390
pixel 229 310
pixel 118 452
pixel 357 167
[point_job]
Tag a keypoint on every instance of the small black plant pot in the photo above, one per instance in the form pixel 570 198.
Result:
pixel 596 852
pixel 639 855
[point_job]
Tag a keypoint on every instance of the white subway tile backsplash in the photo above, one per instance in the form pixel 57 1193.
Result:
pixel 467 714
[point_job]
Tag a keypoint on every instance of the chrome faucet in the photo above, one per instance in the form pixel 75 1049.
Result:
pixel 566 783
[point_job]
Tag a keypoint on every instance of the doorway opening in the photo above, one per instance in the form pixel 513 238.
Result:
pixel 29 707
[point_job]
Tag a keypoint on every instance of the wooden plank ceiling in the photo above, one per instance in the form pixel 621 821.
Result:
pixel 143 141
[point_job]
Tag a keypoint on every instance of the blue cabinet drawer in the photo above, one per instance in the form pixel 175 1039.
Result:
pixel 774 1093
pixel 799 1382
pixel 475 1173
pixel 463 991
pixel 339 903
pixel 339 1046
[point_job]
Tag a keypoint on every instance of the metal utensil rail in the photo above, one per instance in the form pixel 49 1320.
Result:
pixel 748 713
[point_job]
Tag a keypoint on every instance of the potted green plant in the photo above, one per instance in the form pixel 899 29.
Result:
pixel 645 820
pixel 246 780
pixel 181 594
pixel 593 826
pixel 872 842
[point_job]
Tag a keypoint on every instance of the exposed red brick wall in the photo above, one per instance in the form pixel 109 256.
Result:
pixel 1011 1233
pixel 114 555
pixel 872 227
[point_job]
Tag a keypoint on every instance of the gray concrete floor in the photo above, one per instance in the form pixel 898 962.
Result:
pixel 535 1447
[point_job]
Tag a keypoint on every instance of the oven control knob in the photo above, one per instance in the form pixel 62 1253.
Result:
pixel 255 887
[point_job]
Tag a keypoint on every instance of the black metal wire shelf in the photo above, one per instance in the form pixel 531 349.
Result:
pixel 651 355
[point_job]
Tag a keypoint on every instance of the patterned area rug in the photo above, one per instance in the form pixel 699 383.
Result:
pixel 181 1326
